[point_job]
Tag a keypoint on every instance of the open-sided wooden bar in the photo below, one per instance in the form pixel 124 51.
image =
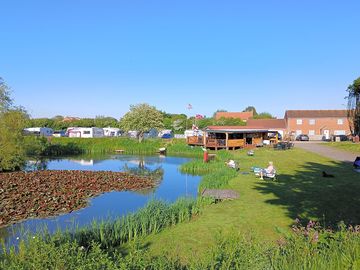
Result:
pixel 232 137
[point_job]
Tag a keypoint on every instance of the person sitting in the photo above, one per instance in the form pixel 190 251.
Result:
pixel 269 170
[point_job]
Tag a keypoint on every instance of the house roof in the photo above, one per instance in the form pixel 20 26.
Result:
pixel 267 123
pixel 315 113
pixel 241 115
pixel 236 129
pixel 70 119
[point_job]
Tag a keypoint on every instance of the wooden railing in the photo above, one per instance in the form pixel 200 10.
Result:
pixel 236 143
pixel 215 142
pixel 196 140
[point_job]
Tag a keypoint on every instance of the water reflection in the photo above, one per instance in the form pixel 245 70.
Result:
pixel 164 170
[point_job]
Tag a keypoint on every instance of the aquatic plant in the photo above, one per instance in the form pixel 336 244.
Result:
pixel 46 193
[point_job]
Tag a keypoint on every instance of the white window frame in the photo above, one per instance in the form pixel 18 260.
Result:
pixel 312 122
pixel 339 132
pixel 340 121
pixel 311 132
pixel 298 132
pixel 299 121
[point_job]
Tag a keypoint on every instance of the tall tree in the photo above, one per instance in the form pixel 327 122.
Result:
pixel 5 99
pixel 264 115
pixel 12 122
pixel 249 109
pixel 354 106
pixel 142 118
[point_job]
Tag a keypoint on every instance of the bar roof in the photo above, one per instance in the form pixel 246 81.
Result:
pixel 236 129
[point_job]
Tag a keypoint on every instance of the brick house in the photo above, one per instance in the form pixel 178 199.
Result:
pixel 241 115
pixel 278 125
pixel 317 124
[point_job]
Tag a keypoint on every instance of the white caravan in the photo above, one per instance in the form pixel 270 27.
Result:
pixel 84 132
pixel 39 131
pixel 112 132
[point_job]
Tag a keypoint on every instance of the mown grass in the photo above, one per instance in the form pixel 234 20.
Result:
pixel 346 146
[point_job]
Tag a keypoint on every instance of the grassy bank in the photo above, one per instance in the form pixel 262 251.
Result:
pixel 265 208
pixel 130 146
pixel 306 248
pixel 346 146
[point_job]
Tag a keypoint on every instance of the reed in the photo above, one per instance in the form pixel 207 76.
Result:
pixel 328 250
pixel 129 145
pixel 151 219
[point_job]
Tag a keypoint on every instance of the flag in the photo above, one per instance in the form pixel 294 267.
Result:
pixel 189 106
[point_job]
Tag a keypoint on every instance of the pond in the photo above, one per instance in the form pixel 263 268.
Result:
pixel 172 184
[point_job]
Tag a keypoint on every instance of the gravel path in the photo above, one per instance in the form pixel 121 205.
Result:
pixel 327 151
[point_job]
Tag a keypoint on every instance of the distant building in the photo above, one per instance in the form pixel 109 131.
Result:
pixel 317 124
pixel 245 116
pixel 232 137
pixel 84 132
pixel 70 119
pixel 278 125
pixel 39 131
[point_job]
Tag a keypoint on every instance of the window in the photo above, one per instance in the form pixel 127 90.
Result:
pixel 298 132
pixel 299 121
pixel 340 121
pixel 312 122
pixel 86 132
pixel 339 132
pixel 311 132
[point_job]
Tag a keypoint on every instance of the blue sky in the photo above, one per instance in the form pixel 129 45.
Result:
pixel 87 58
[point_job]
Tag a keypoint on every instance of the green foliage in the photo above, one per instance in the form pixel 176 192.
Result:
pixel 12 154
pixel 311 249
pixel 142 118
pixel 152 218
pixel 98 246
pixel 175 122
pixel 5 99
pixel 216 174
pixel 57 122
pixel 109 145
pixel 205 122
pixel 249 109
pixel 39 146
pixel 263 115
pixel 229 122
pixel 354 106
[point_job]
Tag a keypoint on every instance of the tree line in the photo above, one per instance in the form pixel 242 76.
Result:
pixel 178 123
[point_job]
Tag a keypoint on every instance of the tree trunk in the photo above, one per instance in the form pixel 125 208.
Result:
pixel 141 136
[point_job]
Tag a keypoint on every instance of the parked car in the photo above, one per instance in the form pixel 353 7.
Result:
pixel 302 137
pixel 342 138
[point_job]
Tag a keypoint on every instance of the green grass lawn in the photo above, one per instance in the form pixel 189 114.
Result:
pixel 346 146
pixel 266 207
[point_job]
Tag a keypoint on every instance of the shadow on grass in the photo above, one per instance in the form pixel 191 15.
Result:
pixel 307 195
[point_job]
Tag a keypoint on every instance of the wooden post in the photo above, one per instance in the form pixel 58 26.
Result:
pixel 204 139
pixel 226 140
